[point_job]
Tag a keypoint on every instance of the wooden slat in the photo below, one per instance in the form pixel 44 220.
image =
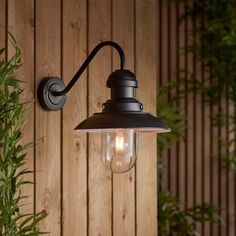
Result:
pixel 207 161
pixel 100 179
pixel 231 181
pixel 223 175
pixel 215 169
pixel 231 203
pixel 21 25
pixel 2 24
pixel 48 147
pixel 198 155
pixel 182 156
pixel 190 120
pixel 206 135
pixel 164 80
pixel 172 77
pixel 123 185
pixel 146 72
pixel 198 132
pixel 75 110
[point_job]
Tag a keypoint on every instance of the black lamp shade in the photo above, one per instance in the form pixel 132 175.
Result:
pixel 138 121
pixel 122 111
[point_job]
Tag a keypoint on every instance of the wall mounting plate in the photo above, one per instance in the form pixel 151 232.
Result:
pixel 46 97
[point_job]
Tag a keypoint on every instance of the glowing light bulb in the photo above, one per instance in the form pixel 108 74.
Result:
pixel 119 149
pixel 119 143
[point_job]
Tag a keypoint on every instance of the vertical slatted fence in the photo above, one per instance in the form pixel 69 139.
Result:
pixel 193 171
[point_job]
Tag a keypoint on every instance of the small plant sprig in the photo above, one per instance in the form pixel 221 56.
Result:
pixel 12 153
pixel 173 221
pixel 170 113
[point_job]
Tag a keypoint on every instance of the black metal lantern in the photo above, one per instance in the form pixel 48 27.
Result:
pixel 122 116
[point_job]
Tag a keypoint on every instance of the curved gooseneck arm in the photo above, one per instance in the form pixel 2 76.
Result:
pixel 88 60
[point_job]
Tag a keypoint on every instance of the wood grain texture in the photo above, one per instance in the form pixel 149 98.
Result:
pixel 100 179
pixel 48 133
pixel 146 166
pixel 21 25
pixel 74 176
pixel 2 25
pixel 124 184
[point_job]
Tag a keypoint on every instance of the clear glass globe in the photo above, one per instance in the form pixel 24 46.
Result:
pixel 119 149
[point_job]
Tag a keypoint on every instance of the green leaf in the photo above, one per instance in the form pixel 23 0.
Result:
pixel 12 152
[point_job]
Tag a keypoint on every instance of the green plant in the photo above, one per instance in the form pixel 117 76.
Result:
pixel 217 51
pixel 13 154
pixel 173 221
pixel 170 113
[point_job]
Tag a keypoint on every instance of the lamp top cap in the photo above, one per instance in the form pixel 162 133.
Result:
pixel 122 78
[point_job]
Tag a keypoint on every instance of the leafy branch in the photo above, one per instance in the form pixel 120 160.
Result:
pixel 217 52
pixel 173 221
pixel 13 222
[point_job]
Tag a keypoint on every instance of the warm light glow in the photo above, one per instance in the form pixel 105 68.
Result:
pixel 119 149
pixel 119 143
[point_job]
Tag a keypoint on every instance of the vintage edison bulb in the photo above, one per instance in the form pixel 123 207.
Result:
pixel 119 149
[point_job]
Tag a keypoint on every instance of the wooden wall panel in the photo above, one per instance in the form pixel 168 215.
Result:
pixel 163 77
pixel 223 180
pixel 123 185
pixel 100 179
pixel 48 133
pixel 21 25
pixel 3 25
pixel 182 164
pixel 74 158
pixel 215 167
pixel 197 128
pixel 146 167
pixel 231 191
pixel 172 55
pixel 206 126
pixel 73 187
pixel 190 121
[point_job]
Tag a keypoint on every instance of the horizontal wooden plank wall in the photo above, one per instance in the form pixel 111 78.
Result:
pixel 72 186
pixel 193 171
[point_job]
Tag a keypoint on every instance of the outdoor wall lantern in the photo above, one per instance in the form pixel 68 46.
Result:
pixel 122 116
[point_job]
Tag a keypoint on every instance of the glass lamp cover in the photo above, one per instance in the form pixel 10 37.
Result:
pixel 119 149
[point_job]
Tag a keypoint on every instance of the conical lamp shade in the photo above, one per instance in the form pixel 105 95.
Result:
pixel 127 120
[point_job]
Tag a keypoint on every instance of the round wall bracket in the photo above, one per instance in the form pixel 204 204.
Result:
pixel 46 94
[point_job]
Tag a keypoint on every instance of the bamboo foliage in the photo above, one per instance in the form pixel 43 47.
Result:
pixel 13 154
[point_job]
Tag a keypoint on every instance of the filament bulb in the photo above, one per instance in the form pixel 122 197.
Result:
pixel 119 149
